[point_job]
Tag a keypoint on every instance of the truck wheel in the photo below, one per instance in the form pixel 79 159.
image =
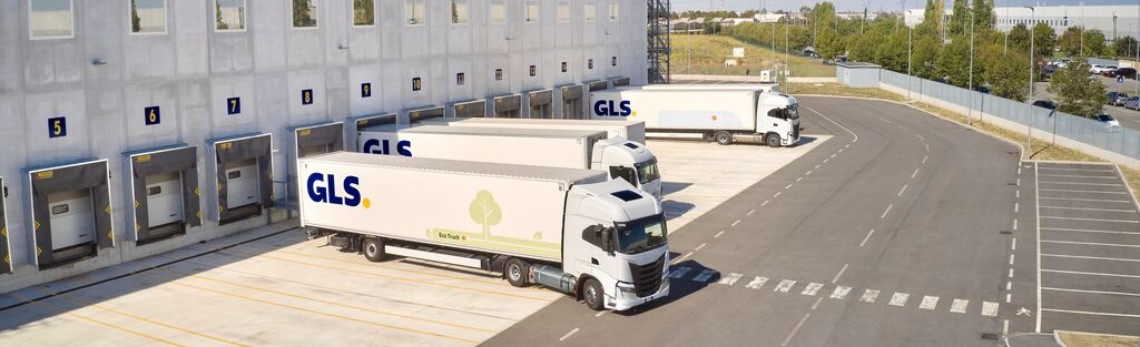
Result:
pixel 373 249
pixel 772 140
pixel 592 293
pixel 517 272
pixel 723 138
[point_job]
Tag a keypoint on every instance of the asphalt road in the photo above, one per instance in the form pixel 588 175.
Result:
pixel 897 232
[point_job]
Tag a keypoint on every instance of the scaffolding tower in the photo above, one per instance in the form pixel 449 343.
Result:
pixel 659 44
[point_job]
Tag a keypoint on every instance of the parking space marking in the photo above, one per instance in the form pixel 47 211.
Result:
pixel 1127 221
pixel 571 333
pixel 1086 184
pixel 1093 231
pixel 1081 176
pixel 730 279
pixel 784 286
pixel 869 296
pixel 1088 257
pixel 73 314
pixel 840 292
pixel 1088 200
pixel 899 299
pixel 1089 243
pixel 757 282
pixel 959 305
pixel 1088 273
pixel 704 276
pixel 989 309
pixel 1109 314
pixel 1079 191
pixel 868 237
pixel 1074 170
pixel 928 303
pixel 812 289
pixel 1085 291
pixel 1088 209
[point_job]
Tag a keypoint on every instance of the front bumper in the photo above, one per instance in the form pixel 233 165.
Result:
pixel 625 301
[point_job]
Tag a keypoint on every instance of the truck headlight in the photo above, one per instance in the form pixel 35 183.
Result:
pixel 626 288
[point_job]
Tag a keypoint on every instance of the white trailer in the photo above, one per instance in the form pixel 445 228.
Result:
pixel 629 130
pixel 568 229
pixel 724 116
pixel 760 87
pixel 579 149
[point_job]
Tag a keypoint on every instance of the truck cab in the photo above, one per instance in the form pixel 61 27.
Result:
pixel 778 113
pixel 615 245
pixel 630 161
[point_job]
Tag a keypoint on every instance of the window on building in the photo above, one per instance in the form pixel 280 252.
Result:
pixel 615 10
pixel 51 19
pixel 460 79
pixel 498 12
pixel 590 11
pixel 532 11
pixel 459 12
pixel 565 67
pixel 148 16
pixel 590 64
pixel 498 74
pixel 415 13
pixel 305 14
pixel 229 15
pixel 563 11
pixel 363 13
pixel 533 71
pixel 613 61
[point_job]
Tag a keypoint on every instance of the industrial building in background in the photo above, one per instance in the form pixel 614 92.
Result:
pixel 1113 21
pixel 134 128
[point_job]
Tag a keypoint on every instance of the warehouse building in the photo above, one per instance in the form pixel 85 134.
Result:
pixel 134 127
pixel 1114 21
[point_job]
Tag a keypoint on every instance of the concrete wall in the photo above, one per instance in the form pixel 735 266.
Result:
pixel 191 70
pixel 858 75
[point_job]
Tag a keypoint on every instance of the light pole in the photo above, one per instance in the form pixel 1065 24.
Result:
pixel 1137 78
pixel 970 109
pixel 909 46
pixel 1033 16
pixel 1082 30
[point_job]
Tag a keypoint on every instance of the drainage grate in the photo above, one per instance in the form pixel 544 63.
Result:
pixel 991 336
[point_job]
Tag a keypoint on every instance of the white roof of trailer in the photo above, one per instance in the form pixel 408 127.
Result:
pixel 549 133
pixel 535 173
pixel 606 122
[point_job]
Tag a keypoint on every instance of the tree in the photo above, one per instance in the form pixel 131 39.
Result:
pixel 1075 92
pixel 364 12
pixel 136 22
pixel 1094 44
pixel 302 17
pixel 954 62
pixel 933 17
pixel 1125 47
pixel 984 14
pixel 1009 75
pixel 924 56
pixel 1019 38
pixel 959 19
pixel 1044 40
pixel 1071 41
pixel 485 211
pixel 891 53
pixel 221 24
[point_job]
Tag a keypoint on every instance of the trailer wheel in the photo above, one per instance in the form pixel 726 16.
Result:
pixel 373 249
pixel 592 293
pixel 723 138
pixel 772 140
pixel 517 271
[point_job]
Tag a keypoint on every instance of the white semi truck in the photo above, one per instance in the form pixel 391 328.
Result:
pixel 762 87
pixel 630 130
pixel 572 230
pixel 724 116
pixel 579 149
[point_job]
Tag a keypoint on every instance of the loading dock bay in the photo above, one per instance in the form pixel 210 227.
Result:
pixel 1089 248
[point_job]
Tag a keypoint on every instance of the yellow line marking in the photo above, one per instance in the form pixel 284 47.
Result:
pixel 135 317
pixel 95 321
pixel 494 282
pixel 302 309
pixel 327 302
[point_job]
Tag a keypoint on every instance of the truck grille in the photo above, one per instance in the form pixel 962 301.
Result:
pixel 796 131
pixel 647 278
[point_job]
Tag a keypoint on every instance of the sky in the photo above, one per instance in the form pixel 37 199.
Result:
pixel 857 5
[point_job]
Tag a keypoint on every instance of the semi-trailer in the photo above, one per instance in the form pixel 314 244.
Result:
pixel 580 149
pixel 724 116
pixel 630 130
pixel 573 230
pixel 762 87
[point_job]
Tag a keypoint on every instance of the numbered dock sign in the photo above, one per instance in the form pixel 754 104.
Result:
pixel 57 127
pixel 233 106
pixel 366 90
pixel 153 115
pixel 307 97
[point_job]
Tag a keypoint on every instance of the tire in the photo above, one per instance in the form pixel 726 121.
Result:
pixel 593 295
pixel 516 271
pixel 373 249
pixel 772 140
pixel 723 138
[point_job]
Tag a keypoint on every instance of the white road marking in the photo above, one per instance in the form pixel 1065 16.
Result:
pixel 564 337
pixel 1082 176
pixel 1037 204
pixel 1089 200
pixel 788 187
pixel 777 194
pixel 1088 209
pixel 920 137
pixel 784 286
pixel 847 146
pixel 1011 256
pixel 903 190
pixel 913 175
pixel 1017 194
pixel 1008 297
pixel 751 212
pixel 1019 170
pixel 812 289
pixel 796 329
pixel 765 203
pixel 1016 207
pixel 869 296
pixel 928 303
pixel 1005 328
pixel 899 299
pixel 757 282
pixel 1080 191
pixel 704 276
pixel 842 149
pixel 1019 181
pixel 1008 285
pixel 1083 291
pixel 1014 224
pixel 816 304
pixel 1013 244
pixel 927 147
pixel 1010 272
pixel 679 272
pixel 1094 231
pixel 719 234
pixel 868 237
pixel 817 166
pixel 808 173
pixel 959 305
pixel 730 279
pixel 683 257
pixel 925 158
pixel 735 223
pixel 1077 170
pixel 841 271
pixel 833 155
pixel 701 246
pixel 826 160
pixel 836 123
pixel 801 178
pixel 1128 221
pixel 1088 273
pixel 840 292
pixel 1089 243
pixel 1086 184
pixel 1091 313
pixel 888 210
pixel 600 313
pixel 989 309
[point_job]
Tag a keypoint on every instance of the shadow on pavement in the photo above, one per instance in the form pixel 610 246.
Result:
pixel 674 209
pixel 673 187
pixel 679 287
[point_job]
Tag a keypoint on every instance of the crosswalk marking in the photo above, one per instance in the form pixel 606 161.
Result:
pixel 959 305
pixel 784 286
pixel 929 303
pixel 704 275
pixel 989 309
pixel 730 279
pixel 840 292
pixel 757 282
pixel 869 296
pixel 679 272
pixel 812 289
pixel 899 299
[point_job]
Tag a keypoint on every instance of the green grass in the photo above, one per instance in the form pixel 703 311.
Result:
pixel 1091 340
pixel 705 55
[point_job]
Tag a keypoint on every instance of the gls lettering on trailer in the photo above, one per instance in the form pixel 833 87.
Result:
pixel 606 108
pixel 375 146
pixel 323 188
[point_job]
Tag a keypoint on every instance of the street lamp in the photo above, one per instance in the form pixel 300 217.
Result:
pixel 1033 18
pixel 909 46
pixel 970 109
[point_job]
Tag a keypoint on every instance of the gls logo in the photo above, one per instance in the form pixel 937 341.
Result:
pixel 322 188
pixel 375 146
pixel 606 108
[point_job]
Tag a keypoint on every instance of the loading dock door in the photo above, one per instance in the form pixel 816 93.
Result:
pixel 470 109
pixel 621 82
pixel 422 114
pixel 312 140
pixel 507 106
pixel 71 212
pixel 164 199
pixel 5 250
pixel 164 186
pixel 572 102
pixel 365 122
pixel 541 104
pixel 244 175
pixel 597 85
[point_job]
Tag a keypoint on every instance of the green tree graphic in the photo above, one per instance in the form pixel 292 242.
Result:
pixel 485 211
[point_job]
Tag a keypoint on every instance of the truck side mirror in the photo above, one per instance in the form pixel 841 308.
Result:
pixel 608 240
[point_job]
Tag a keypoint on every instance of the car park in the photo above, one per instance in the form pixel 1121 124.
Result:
pixel 1116 98
pixel 1126 72
pixel 1108 71
pixel 1096 68
pixel 1110 123
pixel 1133 103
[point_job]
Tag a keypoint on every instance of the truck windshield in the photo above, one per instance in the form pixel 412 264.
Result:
pixel 647 171
pixel 641 235
pixel 793 111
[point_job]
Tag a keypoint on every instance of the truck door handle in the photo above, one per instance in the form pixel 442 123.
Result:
pixel 594 261
pixel 774 124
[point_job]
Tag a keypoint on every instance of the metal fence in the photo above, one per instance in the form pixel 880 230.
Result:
pixel 1117 139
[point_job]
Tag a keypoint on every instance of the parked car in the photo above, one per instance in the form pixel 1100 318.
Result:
pixel 1108 121
pixel 1045 104
pixel 1111 97
pixel 1096 68
pixel 1133 103
pixel 1108 71
pixel 1119 100
pixel 1127 72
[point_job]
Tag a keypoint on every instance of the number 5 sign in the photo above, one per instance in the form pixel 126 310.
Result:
pixel 57 127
